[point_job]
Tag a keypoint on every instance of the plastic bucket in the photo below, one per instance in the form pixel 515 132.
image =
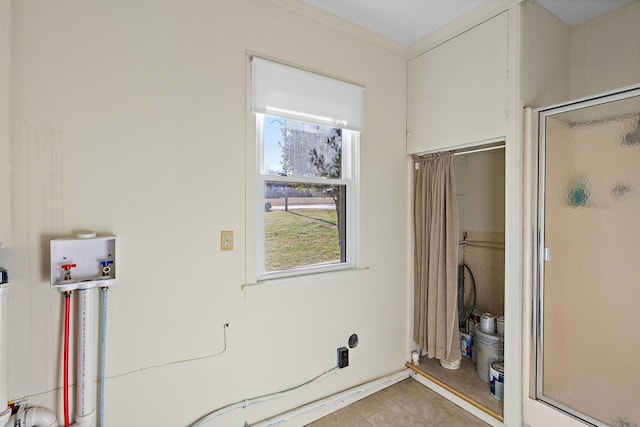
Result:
pixel 466 344
pixel 496 371
pixel 488 348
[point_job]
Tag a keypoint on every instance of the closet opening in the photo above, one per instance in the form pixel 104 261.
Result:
pixel 480 198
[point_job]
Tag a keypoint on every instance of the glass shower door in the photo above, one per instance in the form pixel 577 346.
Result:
pixel 588 287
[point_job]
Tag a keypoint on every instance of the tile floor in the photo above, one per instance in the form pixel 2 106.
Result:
pixel 464 380
pixel 407 403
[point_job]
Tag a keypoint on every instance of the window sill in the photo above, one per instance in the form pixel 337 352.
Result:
pixel 306 276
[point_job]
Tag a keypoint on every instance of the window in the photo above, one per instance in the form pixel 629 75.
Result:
pixel 307 156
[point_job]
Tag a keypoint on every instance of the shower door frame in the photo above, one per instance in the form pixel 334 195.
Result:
pixel 538 253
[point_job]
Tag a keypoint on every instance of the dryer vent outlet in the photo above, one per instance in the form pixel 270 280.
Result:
pixel 343 357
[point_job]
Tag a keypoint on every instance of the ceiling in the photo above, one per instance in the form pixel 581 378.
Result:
pixel 407 21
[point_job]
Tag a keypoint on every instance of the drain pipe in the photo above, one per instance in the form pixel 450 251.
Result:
pixel 103 354
pixel 85 360
pixel 5 411
pixel 33 417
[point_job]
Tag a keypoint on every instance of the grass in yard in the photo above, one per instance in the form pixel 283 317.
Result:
pixel 300 237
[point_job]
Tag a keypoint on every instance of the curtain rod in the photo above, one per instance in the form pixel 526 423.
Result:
pixel 479 150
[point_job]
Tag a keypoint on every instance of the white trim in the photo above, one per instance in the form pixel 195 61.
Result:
pixel 302 180
pixel 479 150
pixel 350 163
pixel 251 289
pixel 260 203
pixel 513 222
pixel 587 101
pixel 323 407
pixel 467 146
pixel 303 271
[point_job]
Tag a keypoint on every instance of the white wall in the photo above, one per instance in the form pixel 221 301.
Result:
pixel 480 190
pixel 605 52
pixel 545 55
pixel 130 118
pixel 5 227
pixel 562 63
pixel 5 87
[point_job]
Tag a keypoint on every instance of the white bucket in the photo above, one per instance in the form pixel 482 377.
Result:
pixel 466 344
pixel 497 380
pixel 488 323
pixel 488 348
pixel 450 364
pixel 415 358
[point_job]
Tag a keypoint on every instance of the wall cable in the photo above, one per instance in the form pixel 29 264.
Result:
pixel 177 362
pixel 209 356
pixel 258 399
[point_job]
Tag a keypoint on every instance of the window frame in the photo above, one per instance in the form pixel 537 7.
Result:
pixel 350 153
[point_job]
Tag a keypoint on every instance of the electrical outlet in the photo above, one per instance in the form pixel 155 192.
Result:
pixel 343 357
pixel 226 240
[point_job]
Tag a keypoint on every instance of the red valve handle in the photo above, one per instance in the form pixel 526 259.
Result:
pixel 67 267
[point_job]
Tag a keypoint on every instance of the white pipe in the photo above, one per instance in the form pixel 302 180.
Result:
pixel 4 409
pixel 103 354
pixel 33 417
pixel 85 360
pixel 344 398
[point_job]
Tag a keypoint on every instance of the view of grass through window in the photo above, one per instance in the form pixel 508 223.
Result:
pixel 304 195
pixel 300 237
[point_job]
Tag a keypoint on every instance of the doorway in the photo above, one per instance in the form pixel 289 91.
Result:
pixel 480 194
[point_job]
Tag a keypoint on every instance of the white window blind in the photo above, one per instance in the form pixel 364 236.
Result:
pixel 281 90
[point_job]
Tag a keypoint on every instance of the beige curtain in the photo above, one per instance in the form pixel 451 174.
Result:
pixel 436 257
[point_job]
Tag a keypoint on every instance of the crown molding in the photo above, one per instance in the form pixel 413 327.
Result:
pixel 467 21
pixel 341 24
